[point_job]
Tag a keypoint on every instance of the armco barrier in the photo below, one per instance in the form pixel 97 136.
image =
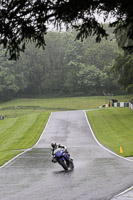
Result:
pixel 121 104
pixel 117 104
pixel 126 104
pixel 131 105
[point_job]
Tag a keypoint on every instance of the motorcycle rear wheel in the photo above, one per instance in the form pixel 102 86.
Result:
pixel 71 165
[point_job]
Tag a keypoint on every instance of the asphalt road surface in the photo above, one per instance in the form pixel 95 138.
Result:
pixel 98 174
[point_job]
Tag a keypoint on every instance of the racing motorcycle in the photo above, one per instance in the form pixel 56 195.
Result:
pixel 63 159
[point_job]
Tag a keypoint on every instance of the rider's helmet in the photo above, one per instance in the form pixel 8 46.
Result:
pixel 53 145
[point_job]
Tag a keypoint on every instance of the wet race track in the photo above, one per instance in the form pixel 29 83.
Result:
pixel 98 174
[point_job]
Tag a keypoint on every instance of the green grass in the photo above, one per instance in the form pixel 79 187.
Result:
pixel 5 156
pixel 20 133
pixel 25 120
pixel 57 104
pixel 114 128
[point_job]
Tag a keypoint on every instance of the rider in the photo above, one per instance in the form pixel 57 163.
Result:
pixel 55 145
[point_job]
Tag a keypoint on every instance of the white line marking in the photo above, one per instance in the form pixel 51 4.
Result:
pixel 95 140
pixel 29 148
pixel 100 143
pixel 109 152
pixel 125 191
pixel 43 130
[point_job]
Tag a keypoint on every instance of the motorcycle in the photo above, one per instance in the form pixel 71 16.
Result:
pixel 63 159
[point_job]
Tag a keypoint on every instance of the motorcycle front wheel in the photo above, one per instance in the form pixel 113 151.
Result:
pixel 63 164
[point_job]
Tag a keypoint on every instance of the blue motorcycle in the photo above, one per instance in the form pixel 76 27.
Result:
pixel 63 159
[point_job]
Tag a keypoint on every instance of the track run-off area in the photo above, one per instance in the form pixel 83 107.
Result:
pixel 99 174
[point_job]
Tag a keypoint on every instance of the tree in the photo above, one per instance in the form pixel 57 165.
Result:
pixel 123 40
pixel 71 79
pixel 91 80
pixel 123 67
pixel 24 21
pixel 65 67
pixel 8 86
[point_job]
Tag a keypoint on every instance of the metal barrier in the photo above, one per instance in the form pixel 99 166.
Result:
pixel 131 105
pixel 119 104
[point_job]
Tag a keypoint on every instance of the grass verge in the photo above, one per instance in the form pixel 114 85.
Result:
pixel 23 125
pixel 20 133
pixel 114 128
pixel 58 104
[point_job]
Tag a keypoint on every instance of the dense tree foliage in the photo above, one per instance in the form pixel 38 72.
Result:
pixel 66 67
pixel 123 67
pixel 24 21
